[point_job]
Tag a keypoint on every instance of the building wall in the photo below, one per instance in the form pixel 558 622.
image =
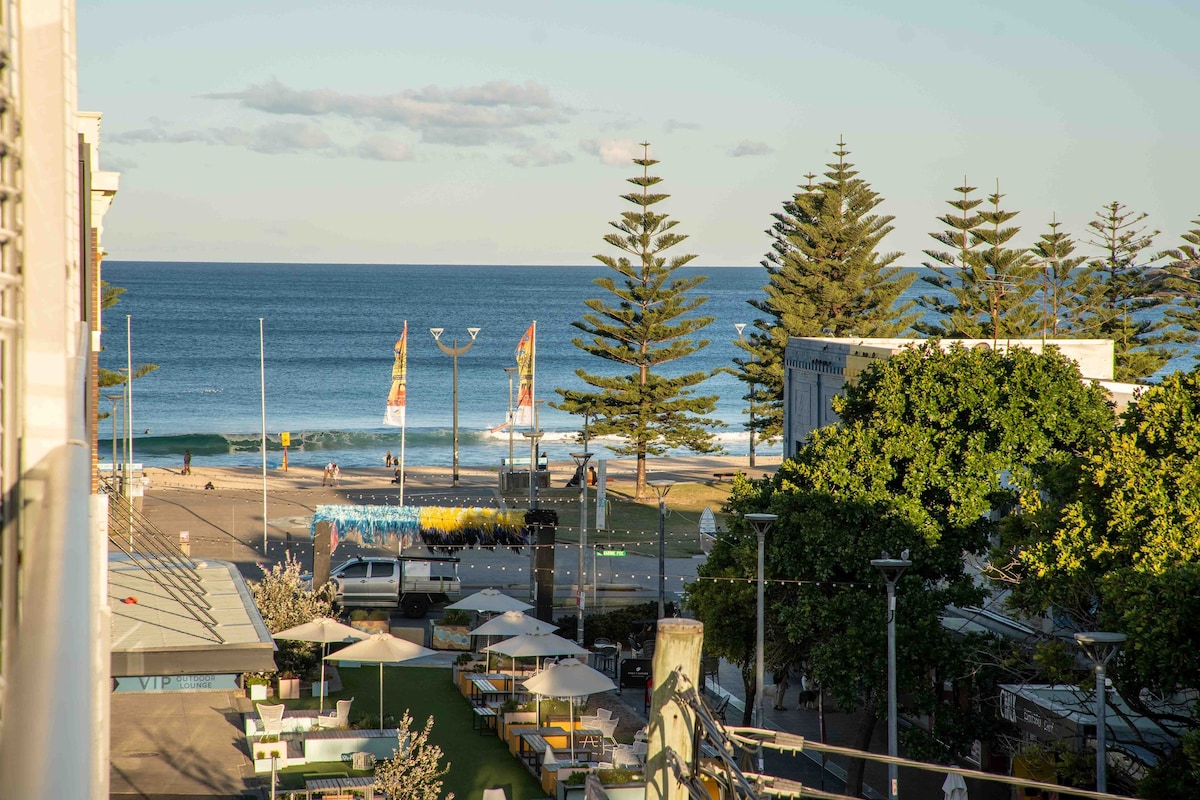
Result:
pixel 817 369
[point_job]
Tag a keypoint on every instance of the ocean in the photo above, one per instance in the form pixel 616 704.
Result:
pixel 328 333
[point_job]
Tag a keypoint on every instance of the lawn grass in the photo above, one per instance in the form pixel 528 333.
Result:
pixel 476 762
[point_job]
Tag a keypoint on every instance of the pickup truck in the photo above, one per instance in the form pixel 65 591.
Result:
pixel 409 583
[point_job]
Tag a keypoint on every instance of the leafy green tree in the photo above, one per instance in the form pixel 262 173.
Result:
pixel 1124 556
pixel 1132 311
pixel 933 447
pixel 826 277
pixel 1181 279
pixel 648 326
pixel 285 601
pixel 991 282
pixel 1070 293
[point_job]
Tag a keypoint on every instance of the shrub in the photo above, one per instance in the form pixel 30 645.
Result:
pixel 455 616
pixel 379 615
pixel 358 615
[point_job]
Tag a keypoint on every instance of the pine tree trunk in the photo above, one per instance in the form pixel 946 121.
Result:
pixel 862 741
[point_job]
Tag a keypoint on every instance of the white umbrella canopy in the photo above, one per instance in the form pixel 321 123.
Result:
pixel 570 678
pixel 322 630
pixel 513 623
pixel 492 600
pixel 380 648
pixel 537 644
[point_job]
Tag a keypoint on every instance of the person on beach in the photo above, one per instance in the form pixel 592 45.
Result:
pixel 387 459
pixel 396 475
pixel 187 462
pixel 337 475
pixel 327 475
pixel 592 477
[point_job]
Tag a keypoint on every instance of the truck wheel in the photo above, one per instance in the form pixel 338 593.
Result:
pixel 415 607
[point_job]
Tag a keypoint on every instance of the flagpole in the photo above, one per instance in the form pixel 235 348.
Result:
pixel 129 417
pixel 262 374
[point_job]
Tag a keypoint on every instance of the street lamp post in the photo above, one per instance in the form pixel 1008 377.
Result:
pixel 533 437
pixel 739 327
pixel 454 352
pixel 511 372
pixel 1100 648
pixel 892 569
pixel 661 488
pixel 581 461
pixel 762 524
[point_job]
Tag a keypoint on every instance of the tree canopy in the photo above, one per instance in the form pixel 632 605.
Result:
pixel 649 324
pixel 826 277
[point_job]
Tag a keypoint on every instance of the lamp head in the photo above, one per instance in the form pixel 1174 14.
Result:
pixel 437 333
pixel 474 332
pixel 581 459
pixel 661 488
pixel 762 523
pixel 739 327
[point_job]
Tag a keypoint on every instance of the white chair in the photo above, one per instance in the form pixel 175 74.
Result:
pixel 272 718
pixel 589 723
pixel 608 728
pixel 623 757
pixel 640 750
pixel 339 718
pixel 603 713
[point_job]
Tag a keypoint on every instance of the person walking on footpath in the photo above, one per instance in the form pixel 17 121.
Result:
pixel 780 678
pixel 187 462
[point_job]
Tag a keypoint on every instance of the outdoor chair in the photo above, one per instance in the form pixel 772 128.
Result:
pixel 604 713
pixel 339 718
pixel 608 727
pixel 272 718
pixel 718 710
pixel 589 723
pixel 623 757
pixel 640 750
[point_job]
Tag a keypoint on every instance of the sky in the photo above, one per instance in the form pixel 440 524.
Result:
pixel 470 132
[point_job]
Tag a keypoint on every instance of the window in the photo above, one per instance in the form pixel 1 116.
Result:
pixel 355 571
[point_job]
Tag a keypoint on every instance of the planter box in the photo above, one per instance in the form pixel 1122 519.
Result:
pixel 371 625
pixel 289 688
pixel 263 752
pixel 451 637
pixel 259 691
pixel 510 718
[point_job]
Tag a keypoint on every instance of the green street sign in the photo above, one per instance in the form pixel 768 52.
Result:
pixel 610 552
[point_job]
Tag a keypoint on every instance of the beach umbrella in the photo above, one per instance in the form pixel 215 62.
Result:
pixel 322 630
pixel 513 623
pixel 492 600
pixel 569 678
pixel 535 644
pixel 380 648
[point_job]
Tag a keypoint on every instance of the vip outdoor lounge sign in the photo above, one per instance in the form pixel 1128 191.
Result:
pixel 176 683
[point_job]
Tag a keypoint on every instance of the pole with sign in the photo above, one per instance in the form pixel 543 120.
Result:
pixel 285 439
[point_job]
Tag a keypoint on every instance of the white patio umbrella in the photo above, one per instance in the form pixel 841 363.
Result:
pixel 492 600
pixel 513 623
pixel 380 648
pixel 569 678
pixel 535 644
pixel 322 630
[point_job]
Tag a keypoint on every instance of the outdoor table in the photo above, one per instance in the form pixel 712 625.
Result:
pixel 534 741
pixel 485 718
pixel 481 688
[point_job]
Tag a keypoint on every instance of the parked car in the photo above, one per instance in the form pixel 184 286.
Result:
pixel 410 583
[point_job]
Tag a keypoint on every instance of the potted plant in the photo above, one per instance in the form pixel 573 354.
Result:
pixel 257 685
pixel 288 685
pixel 452 631
pixel 461 664
pixel 266 747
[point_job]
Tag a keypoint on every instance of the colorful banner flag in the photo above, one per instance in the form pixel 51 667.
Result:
pixel 396 397
pixel 526 358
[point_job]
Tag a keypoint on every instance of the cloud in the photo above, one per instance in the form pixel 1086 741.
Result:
pixel 465 116
pixel 613 152
pixel 286 137
pixel 539 155
pixel 383 148
pixel 675 125
pixel 748 148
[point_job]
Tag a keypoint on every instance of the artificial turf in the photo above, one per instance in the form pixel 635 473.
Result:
pixel 476 762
